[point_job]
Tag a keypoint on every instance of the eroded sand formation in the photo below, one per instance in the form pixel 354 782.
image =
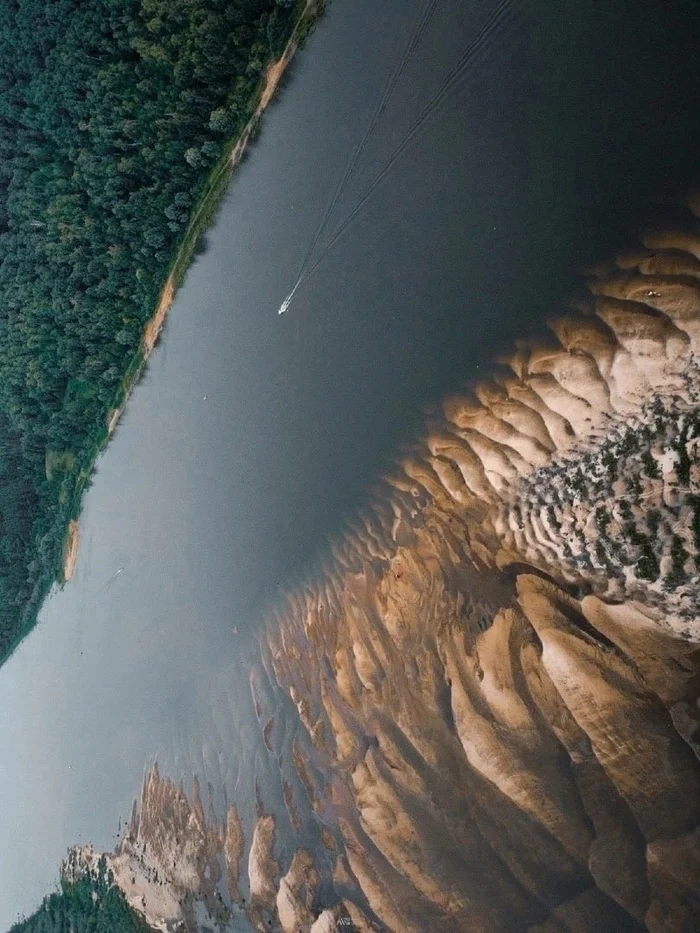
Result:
pixel 498 669
pixel 183 870
pixel 173 858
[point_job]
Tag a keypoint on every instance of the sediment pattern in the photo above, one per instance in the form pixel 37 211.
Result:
pixel 498 666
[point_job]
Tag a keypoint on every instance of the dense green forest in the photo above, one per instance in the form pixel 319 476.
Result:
pixel 113 115
pixel 91 905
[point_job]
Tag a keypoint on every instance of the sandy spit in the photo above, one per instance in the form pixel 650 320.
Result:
pixel 70 549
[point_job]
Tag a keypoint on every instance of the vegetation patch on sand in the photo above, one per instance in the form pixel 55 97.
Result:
pixel 91 904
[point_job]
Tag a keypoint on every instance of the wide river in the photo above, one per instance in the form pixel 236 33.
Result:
pixel 252 437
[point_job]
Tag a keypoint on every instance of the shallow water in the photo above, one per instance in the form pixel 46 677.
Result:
pixel 534 162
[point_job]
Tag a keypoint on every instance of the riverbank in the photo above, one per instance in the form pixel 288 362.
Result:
pixel 77 465
pixel 201 218
pixel 205 211
pixel 70 549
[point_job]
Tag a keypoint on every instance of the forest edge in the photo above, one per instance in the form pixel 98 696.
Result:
pixel 200 221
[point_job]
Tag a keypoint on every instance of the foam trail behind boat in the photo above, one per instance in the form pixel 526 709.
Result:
pixel 288 300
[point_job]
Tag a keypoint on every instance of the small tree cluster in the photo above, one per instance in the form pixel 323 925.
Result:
pixel 676 576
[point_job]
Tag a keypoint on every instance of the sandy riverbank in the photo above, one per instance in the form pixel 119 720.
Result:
pixel 273 76
pixel 70 549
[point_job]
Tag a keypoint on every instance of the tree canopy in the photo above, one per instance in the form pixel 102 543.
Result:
pixel 92 904
pixel 112 115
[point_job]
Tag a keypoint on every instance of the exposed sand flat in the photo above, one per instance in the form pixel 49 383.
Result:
pixel 497 669
pixel 609 682
pixel 234 847
pixel 263 871
pixel 154 326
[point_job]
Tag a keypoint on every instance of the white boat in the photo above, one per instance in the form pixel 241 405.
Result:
pixel 285 304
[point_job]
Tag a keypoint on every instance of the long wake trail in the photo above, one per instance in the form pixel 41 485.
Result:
pixel 495 22
pixel 387 92
pixel 386 95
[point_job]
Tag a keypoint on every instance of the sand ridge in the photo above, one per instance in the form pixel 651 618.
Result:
pixel 70 549
pixel 497 669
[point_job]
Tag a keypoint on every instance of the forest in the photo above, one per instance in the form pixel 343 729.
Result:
pixel 93 904
pixel 113 115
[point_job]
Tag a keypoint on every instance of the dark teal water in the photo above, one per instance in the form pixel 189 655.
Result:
pixel 566 121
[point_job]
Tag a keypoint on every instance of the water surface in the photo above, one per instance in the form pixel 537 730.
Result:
pixel 252 437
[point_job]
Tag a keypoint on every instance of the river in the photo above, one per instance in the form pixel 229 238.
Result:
pixel 251 437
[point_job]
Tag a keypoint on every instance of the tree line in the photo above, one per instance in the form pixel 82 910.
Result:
pixel 112 115
pixel 93 904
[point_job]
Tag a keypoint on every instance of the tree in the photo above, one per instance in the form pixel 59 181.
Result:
pixel 91 904
pixel 111 114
